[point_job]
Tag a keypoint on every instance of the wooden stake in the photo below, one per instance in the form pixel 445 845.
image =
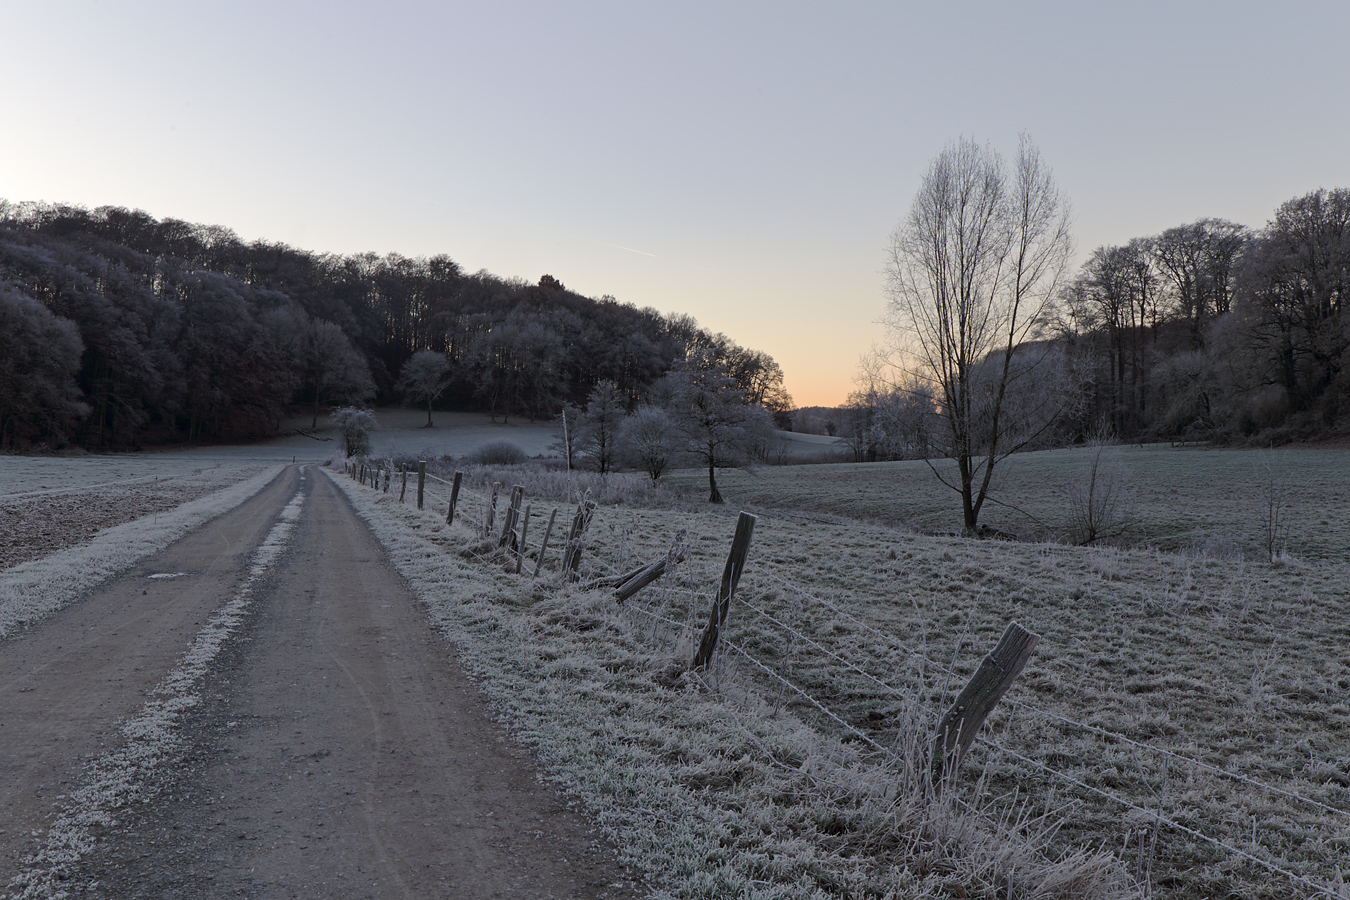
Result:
pixel 492 509
pixel 576 539
pixel 957 729
pixel 421 480
pixel 511 517
pixel 403 490
pixel 524 530
pixel 454 498
pixel 539 563
pixel 731 576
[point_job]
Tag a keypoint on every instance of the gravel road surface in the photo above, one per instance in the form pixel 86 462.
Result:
pixel 261 710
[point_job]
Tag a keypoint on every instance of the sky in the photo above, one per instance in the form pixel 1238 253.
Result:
pixel 745 163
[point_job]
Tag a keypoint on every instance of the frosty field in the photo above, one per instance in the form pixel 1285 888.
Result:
pixel 1180 731
pixel 1184 711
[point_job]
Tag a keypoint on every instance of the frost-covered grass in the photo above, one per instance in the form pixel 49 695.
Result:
pixel 36 476
pixel 711 785
pixel 1188 499
pixel 151 739
pixel 38 588
pixel 1210 688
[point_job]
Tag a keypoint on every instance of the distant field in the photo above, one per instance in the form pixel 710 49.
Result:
pixel 1180 499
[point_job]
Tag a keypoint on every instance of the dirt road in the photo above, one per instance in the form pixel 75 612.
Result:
pixel 271 717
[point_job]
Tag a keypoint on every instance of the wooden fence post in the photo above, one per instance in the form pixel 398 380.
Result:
pixel 957 729
pixel 388 476
pixel 403 490
pixel 539 563
pixel 524 531
pixel 576 539
pixel 454 498
pixel 512 515
pixel 492 509
pixel 731 576
pixel 421 480
pixel 646 575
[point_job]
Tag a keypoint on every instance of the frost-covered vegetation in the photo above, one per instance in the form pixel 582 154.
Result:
pixel 1184 713
pixel 34 589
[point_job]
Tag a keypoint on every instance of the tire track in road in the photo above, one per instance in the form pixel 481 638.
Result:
pixel 125 774
pixel 341 752
pixel 68 681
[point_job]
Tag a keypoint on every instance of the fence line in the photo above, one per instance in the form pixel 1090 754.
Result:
pixel 1154 815
pixel 1095 729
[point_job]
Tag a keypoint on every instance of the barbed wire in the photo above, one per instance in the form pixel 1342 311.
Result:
pixel 1102 732
pixel 805 695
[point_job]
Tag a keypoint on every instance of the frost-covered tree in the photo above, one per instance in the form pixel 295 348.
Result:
pixel 425 376
pixel 598 427
pixel 356 426
pixel 716 425
pixel 647 440
pixel 333 369
pixel 971 273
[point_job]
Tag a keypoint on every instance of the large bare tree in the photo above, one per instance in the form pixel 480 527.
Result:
pixel 971 273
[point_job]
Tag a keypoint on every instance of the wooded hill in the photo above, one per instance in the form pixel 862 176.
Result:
pixel 118 329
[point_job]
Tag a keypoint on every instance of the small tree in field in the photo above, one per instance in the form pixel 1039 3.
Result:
pixel 425 376
pixel 971 274
pixel 598 427
pixel 717 426
pixel 647 441
pixel 356 425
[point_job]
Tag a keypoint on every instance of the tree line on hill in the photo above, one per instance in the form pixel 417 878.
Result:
pixel 1208 331
pixel 118 329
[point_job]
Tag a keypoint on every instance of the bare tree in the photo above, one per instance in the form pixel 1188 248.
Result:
pixel 970 276
pixel 709 412
pixel 598 427
pixel 647 440
pixel 425 376
pixel 333 368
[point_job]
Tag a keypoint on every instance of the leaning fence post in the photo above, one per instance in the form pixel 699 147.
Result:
pixel 524 530
pixel 512 514
pixel 421 480
pixel 576 539
pixel 731 576
pixel 957 729
pixel 454 498
pixel 548 533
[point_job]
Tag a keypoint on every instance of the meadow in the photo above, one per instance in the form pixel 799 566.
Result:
pixel 1180 730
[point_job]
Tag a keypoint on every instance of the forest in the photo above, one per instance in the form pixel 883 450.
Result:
pixel 1209 331
pixel 119 330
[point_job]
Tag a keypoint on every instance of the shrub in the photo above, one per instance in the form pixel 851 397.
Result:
pixel 498 453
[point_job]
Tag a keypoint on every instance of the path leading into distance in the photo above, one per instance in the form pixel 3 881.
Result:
pixel 262 710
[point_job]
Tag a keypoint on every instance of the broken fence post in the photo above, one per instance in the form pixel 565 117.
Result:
pixel 548 533
pixel 511 517
pixel 731 576
pixel 576 539
pixel 648 574
pixel 524 531
pixel 957 729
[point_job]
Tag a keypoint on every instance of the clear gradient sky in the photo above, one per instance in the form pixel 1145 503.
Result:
pixel 742 162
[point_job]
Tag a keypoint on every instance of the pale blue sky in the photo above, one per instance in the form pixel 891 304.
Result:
pixel 752 158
